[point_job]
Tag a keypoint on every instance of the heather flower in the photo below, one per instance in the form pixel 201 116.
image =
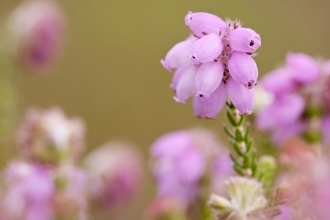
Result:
pixel 245 200
pixel 219 53
pixel 115 171
pixel 299 91
pixel 36 29
pixel 48 136
pixel 28 192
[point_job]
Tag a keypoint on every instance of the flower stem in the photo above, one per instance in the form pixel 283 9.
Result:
pixel 244 156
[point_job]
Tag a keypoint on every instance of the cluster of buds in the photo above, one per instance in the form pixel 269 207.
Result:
pixel 215 60
pixel 46 183
pixel 49 137
pixel 182 159
pixel 299 91
pixel 36 30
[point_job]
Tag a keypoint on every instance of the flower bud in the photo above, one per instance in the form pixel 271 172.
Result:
pixel 244 40
pixel 243 69
pixel 185 84
pixel 242 98
pixel 177 56
pixel 202 23
pixel 206 49
pixel 211 106
pixel 208 78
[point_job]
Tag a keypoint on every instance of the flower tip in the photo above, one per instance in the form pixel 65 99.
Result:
pixel 188 18
pixel 202 95
pixel 254 43
pixel 205 117
pixel 166 65
pixel 251 84
pixel 193 59
pixel 179 100
pixel 247 113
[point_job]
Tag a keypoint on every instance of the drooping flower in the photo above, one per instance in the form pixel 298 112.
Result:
pixel 218 52
pixel 48 136
pixel 37 30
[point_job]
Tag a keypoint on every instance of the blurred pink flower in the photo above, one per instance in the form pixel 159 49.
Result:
pixel 37 29
pixel 28 192
pixel 115 171
pixel 48 136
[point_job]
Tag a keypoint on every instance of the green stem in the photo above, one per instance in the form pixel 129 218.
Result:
pixel 244 156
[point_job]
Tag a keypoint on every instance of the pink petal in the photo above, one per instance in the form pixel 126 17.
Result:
pixel 185 87
pixel 206 49
pixel 211 106
pixel 244 40
pixel 204 23
pixel 177 55
pixel 279 81
pixel 176 76
pixel 242 98
pixel 243 69
pixel 285 133
pixel 305 68
pixel 164 146
pixel 208 78
pixel 285 110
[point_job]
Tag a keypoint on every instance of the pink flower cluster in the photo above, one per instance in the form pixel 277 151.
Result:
pixel 299 91
pixel 215 60
pixel 45 182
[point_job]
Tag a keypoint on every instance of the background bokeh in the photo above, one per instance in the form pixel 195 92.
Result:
pixel 109 73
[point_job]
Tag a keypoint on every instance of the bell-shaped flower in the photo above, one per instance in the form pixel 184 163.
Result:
pixel 284 111
pixel 305 68
pixel 242 98
pixel 202 23
pixel 243 69
pixel 177 55
pixel 185 87
pixel 211 106
pixel 244 40
pixel 279 81
pixel 206 49
pixel 208 78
